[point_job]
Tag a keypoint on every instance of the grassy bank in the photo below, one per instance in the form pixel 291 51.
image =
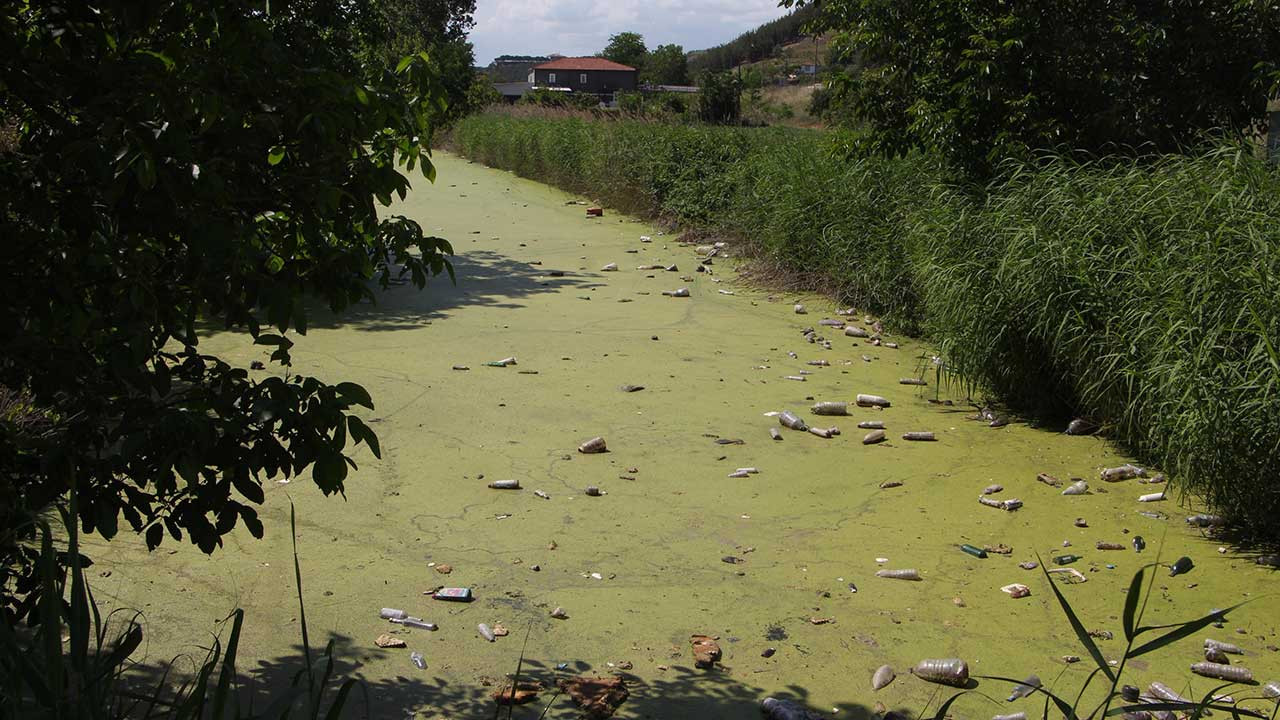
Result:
pixel 1143 295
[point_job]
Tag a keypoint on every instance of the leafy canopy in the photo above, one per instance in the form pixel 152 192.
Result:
pixel 626 48
pixel 170 169
pixel 982 81
pixel 667 65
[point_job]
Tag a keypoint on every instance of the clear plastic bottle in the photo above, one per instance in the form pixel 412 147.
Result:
pixel 416 658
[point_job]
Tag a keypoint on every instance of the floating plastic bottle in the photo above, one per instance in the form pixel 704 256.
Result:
pixel 775 709
pixel 1024 688
pixel 1011 716
pixel 773 433
pixel 793 421
pixel 1078 487
pixel 1065 559
pixel 873 437
pixel 486 632
pixel 418 661
pixel 505 484
pixel 912 381
pixel 1151 497
pixel 1224 647
pixel 949 671
pixel 831 408
pixel 592 446
pixel 919 436
pixel 904 574
pixel 1161 691
pixel 1271 690
pixel 973 550
pixel 392 614
pixel 871 424
pixel 1181 566
pixel 419 623
pixel 855 331
pixel 1202 520
pixel 871 401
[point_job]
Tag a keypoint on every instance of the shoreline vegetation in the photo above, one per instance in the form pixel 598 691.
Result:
pixel 1139 293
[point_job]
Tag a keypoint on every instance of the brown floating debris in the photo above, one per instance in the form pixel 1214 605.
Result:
pixel 1215 655
pixel 890 484
pixel 542 494
pixel 461 367
pixel 999 549
pixel 950 671
pixel 1108 546
pixel 873 437
pixel 631 388
pixel 821 620
pixel 773 433
pixel 825 432
pixel 594 491
pixel 919 436
pixel 592 446
pixel 444 568
pixel 882 677
pixel 871 401
pixel 992 489
pixel 775 709
pixel 1016 590
pixel 904 574
pixel 598 698
pixel 706 651
pixel 1049 480
pixel 389 641
pixel 519 695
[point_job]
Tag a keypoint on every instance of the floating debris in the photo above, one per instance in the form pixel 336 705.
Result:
pixel 505 484
pixel 486 632
pixel 872 401
pixel 1202 520
pixel 773 433
pixel 1024 688
pixel 831 408
pixel 453 594
pixel 504 362
pixel 1078 487
pixel 887 484
pixel 598 698
pixel 825 432
pixel 1151 497
pixel 418 661
pixel 799 309
pixel 611 267
pixel 855 331
pixel 1080 426
pixel 461 367
pixel 775 709
pixel 1016 590
pixel 873 437
pixel 542 494
pixel 904 574
pixel 706 651
pixel 1049 480
pixel 593 446
pixel 1124 472
pixel 919 436
pixel 791 420
pixel 973 550
pixel 1222 647
pixel 559 614
pixel 950 671
pixel 679 292
pixel 631 388
pixel 871 425
pixel 594 491
pixel 882 677
pixel 1100 545
pixel 389 641
pixel 912 381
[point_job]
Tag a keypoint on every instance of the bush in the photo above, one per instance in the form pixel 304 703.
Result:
pixel 1136 292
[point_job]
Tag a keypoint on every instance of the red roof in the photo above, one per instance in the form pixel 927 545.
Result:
pixel 583 63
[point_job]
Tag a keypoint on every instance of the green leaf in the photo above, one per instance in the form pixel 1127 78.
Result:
pixel 329 471
pixel 362 433
pixel 361 95
pixel 275 155
pixel 405 62
pixel 1131 604
pixel 354 394
pixel 942 710
pixel 247 487
pixel 1081 634
pixel 165 59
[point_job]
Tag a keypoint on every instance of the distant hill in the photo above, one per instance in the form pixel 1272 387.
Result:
pixel 754 45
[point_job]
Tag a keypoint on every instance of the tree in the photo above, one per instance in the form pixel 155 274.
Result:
pixel 174 168
pixel 626 48
pixel 439 28
pixel 982 81
pixel 720 102
pixel 667 65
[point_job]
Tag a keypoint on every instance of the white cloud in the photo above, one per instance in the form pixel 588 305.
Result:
pixel 583 27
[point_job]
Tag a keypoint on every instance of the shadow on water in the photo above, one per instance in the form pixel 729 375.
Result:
pixel 484 279
pixel 678 692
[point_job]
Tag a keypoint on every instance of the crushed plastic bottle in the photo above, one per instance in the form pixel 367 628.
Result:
pixel 418 661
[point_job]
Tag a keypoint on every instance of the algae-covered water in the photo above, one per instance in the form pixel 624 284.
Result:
pixel 806 528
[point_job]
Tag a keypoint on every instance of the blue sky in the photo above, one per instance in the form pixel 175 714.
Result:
pixel 583 27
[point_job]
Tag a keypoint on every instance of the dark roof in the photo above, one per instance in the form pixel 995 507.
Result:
pixel 513 89
pixel 583 63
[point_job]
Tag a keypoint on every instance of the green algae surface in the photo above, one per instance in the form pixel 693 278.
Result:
pixel 643 567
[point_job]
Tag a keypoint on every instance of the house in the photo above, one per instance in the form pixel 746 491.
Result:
pixel 513 91
pixel 584 75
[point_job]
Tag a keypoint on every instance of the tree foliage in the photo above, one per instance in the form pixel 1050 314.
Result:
pixel 720 102
pixel 758 44
pixel 982 81
pixel 666 65
pixel 627 48
pixel 175 169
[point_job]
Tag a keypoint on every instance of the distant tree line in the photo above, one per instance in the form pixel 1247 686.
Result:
pixel 757 44
pixel 664 65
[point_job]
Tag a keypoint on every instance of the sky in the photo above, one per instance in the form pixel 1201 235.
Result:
pixel 583 27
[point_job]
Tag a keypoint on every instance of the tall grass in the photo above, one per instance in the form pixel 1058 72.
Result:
pixel 1143 293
